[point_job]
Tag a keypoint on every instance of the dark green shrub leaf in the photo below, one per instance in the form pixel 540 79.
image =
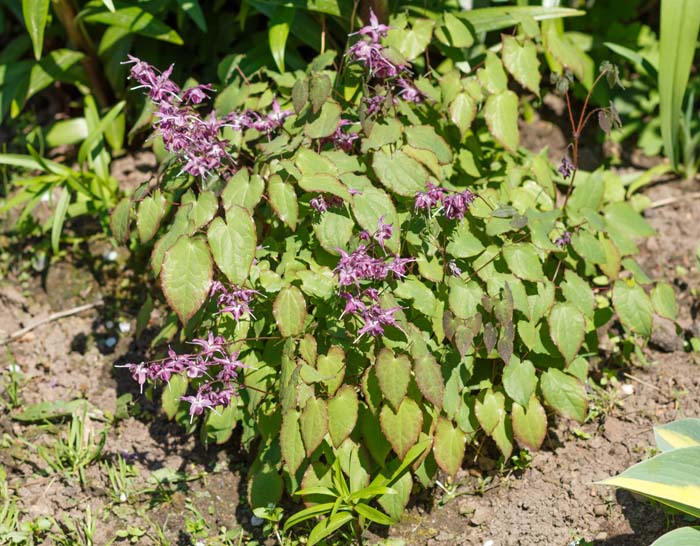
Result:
pixel 393 373
pixel 186 276
pixel 429 379
pixel 289 310
pixel 265 488
pixel 133 19
pixel 565 394
pixel 319 91
pixel 402 427
pixel 314 423
pixel 567 327
pixel 520 381
pixel 300 95
pixel 233 244
pixel 374 439
pixel 634 307
pixel 529 424
pixel 342 414
pixel 448 446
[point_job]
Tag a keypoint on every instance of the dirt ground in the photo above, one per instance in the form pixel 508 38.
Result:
pixel 551 502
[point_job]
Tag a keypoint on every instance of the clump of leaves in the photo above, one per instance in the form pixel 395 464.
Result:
pixel 374 264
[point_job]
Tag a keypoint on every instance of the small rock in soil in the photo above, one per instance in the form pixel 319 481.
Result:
pixel 600 510
pixel 481 515
pixel 664 336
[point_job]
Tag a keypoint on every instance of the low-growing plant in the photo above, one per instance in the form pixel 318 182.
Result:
pixel 671 478
pixel 364 260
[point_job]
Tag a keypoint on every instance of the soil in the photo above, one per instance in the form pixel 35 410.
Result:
pixel 551 502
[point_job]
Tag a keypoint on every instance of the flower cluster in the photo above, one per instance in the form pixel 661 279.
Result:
pixel 566 168
pixel 341 139
pixel 234 300
pixel 322 202
pixel 563 240
pixel 194 138
pixel 453 205
pixel 370 52
pixel 361 266
pixel 214 369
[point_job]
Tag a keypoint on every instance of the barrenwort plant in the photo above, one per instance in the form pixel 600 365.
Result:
pixel 372 273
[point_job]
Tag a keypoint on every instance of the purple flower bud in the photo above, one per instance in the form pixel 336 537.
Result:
pixel 454 268
pixel 563 240
pixel 566 168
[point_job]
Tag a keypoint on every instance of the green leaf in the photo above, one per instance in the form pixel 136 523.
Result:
pixel 394 504
pixel 320 89
pixel 324 183
pixel 501 114
pixel 233 244
pixel 462 112
pixel 520 381
pixel 203 210
pixel 464 298
pixel 578 292
pixel 289 310
pixel 521 61
pixel 425 138
pixel 393 373
pixel 265 487
pixel 68 131
pixel 342 414
pixel 399 173
pixel 176 387
pixel 663 298
pixel 59 216
pixel 567 327
pixel 634 307
pixel 496 18
pixel 411 43
pixel 685 536
pixel 372 514
pixel 120 221
pixel 672 478
pixel 492 76
pixel 454 32
pixel 279 26
pixel 134 19
pixel 490 409
pixel 372 204
pixel 429 379
pixel 193 11
pixel 326 122
pixel 529 424
pixel 565 394
pixel 523 261
pixel 328 526
pixel 291 441
pixel 149 215
pixel 331 367
pixel 186 276
pixel 334 231
pixel 402 427
pixel 382 133
pixel 283 200
pixel 218 425
pixel 243 190
pixel 678 434
pixel 36 14
pixel 314 423
pixel 448 446
pixel 680 22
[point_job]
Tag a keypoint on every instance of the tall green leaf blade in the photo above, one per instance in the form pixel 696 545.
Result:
pixel 59 217
pixel 193 11
pixel 680 22
pixel 678 434
pixel 134 19
pixel 280 25
pixel 488 19
pixel 36 14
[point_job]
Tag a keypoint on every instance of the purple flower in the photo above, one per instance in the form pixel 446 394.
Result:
pixel 430 198
pixel 563 240
pixel 197 94
pixel 342 139
pixel 566 168
pixel 374 30
pixel 455 205
pixel 409 92
pixel 353 304
pixel 454 268
pixel 139 372
pixel 383 233
pixel 234 300
pixel 198 404
pixel 375 319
